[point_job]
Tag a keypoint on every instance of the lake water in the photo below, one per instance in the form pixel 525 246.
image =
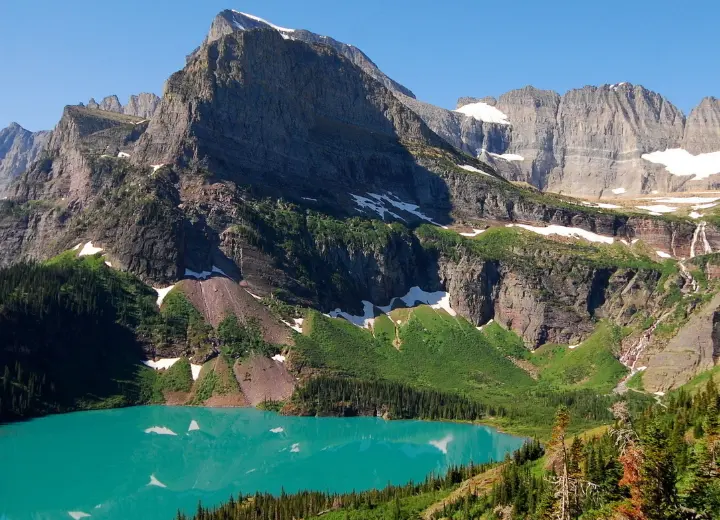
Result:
pixel 148 462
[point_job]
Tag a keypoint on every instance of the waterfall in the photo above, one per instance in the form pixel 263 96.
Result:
pixel 706 247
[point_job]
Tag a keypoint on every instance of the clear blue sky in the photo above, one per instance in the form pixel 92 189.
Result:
pixel 57 53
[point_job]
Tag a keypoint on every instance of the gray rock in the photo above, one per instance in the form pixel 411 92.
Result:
pixel 702 130
pixel 111 104
pixel 229 21
pixel 19 148
pixel 142 105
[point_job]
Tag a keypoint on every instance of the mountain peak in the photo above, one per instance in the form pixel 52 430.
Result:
pixel 228 22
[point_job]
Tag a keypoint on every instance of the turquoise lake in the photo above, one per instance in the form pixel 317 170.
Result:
pixel 148 462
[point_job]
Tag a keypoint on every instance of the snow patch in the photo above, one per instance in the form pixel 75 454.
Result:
pixel 309 198
pixel 297 326
pixel 108 263
pixel 160 430
pixel 77 247
pixel 658 208
pixel 679 161
pixel 573 347
pixel 660 394
pixel 484 112
pixel 162 292
pixel 123 155
pixel 279 429
pixel 295 448
pixel 511 157
pixel 663 254
pixel 415 296
pixel 77 515
pixel 258 19
pixel 161 364
pixel 442 444
pixel 194 426
pixel 473 169
pixel 364 320
pixel 554 229
pixel 704 206
pixel 155 482
pixel 156 167
pixel 605 205
pixel 279 358
pixel 694 214
pixel 195 371
pixel 88 249
pixel 475 232
pixel 687 200
pixel 619 191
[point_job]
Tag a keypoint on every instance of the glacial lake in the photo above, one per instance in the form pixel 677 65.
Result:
pixel 148 462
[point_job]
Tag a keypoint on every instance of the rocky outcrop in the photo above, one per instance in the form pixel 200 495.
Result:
pixel 325 126
pixel 19 148
pixel 229 22
pixel 142 105
pixel 588 142
pixel 702 130
pixel 694 349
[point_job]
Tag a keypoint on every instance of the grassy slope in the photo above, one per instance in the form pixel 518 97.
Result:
pixel 449 354
pixel 589 365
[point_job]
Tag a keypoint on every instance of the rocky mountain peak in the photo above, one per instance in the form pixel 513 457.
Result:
pixel 702 131
pixel 229 22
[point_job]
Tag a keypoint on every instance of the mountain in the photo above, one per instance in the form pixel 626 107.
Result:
pixel 19 148
pixel 142 105
pixel 229 21
pixel 278 180
pixel 593 142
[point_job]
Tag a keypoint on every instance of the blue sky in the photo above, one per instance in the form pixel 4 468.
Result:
pixel 58 53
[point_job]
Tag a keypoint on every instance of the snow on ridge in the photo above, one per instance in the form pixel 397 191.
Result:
pixel 658 208
pixel 162 292
pixel 160 364
pixel 377 204
pixel 679 161
pixel 570 232
pixel 473 169
pixel 510 157
pixel 261 20
pixel 436 300
pixel 88 249
pixel 484 112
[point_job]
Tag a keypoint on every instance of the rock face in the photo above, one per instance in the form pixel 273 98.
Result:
pixel 263 120
pixel 142 105
pixel 694 349
pixel 19 148
pixel 702 130
pixel 229 21
pixel 588 142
